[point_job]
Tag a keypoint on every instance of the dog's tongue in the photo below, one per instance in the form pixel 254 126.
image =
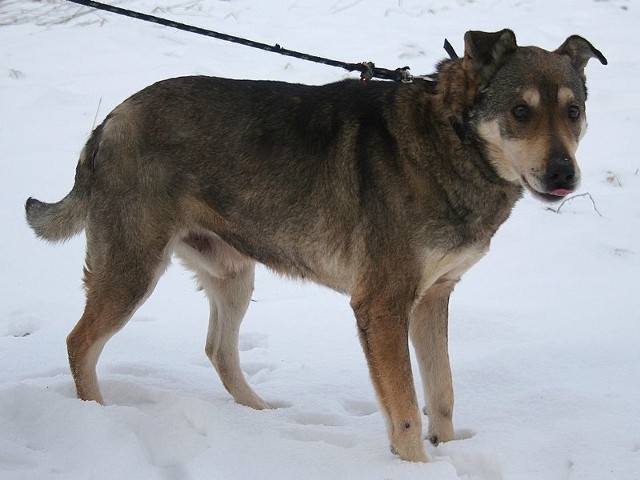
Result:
pixel 560 192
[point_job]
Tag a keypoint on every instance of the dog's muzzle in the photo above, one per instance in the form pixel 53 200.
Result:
pixel 560 178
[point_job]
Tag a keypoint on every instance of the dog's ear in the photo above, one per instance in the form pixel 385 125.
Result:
pixel 484 52
pixel 579 50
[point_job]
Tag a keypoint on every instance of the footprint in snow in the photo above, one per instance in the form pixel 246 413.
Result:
pixel 19 324
pixel 250 341
pixel 318 418
pixel 463 434
pixel 257 372
pixel 311 434
pixel 359 408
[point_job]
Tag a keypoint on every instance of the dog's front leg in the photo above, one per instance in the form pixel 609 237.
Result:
pixel 383 327
pixel 428 332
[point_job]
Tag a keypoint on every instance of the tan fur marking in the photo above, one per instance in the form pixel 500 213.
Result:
pixel 490 133
pixel 428 332
pixel 447 266
pixel 383 336
pixel 583 130
pixel 565 96
pixel 532 97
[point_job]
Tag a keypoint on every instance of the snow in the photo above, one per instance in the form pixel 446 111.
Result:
pixel 544 331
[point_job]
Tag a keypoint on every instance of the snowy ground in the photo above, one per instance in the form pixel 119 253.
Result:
pixel 545 335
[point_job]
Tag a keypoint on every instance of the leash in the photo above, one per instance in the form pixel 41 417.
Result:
pixel 367 70
pixel 450 50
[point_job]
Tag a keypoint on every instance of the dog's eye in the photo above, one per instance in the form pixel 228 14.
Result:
pixel 521 113
pixel 573 113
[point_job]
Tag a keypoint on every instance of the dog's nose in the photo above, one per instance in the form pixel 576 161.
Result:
pixel 560 174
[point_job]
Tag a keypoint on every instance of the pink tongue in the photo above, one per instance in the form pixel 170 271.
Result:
pixel 560 192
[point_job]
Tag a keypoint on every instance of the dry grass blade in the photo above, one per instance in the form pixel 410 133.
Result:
pixel 44 13
pixel 59 12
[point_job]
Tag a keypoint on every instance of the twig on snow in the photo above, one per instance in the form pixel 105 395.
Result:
pixel 587 194
pixel 95 118
pixel 613 179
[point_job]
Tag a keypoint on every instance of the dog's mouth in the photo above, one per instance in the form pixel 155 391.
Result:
pixel 549 197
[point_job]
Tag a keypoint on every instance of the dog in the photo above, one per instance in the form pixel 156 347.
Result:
pixel 387 192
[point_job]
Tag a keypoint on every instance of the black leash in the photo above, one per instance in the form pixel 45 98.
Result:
pixel 450 50
pixel 367 70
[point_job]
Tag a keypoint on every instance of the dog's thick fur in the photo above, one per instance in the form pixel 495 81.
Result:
pixel 387 192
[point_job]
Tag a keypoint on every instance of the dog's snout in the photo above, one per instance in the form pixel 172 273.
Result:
pixel 560 174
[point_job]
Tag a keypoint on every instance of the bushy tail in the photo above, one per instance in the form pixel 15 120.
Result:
pixel 60 221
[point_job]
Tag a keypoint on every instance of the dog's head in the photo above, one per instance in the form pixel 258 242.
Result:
pixel 527 105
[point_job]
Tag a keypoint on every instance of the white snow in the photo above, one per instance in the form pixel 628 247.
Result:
pixel 544 331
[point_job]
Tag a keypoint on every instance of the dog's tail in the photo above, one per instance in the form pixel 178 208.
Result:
pixel 56 222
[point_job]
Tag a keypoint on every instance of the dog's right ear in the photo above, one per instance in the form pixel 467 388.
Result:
pixel 484 52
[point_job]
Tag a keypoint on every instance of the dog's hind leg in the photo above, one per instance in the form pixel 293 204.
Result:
pixel 118 279
pixel 227 278
pixel 229 299
pixel 428 333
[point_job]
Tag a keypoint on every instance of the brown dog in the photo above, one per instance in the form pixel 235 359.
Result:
pixel 387 192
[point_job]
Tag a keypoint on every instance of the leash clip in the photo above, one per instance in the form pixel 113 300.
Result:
pixel 368 71
pixel 403 75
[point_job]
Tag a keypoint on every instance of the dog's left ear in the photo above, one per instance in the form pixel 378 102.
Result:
pixel 580 50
